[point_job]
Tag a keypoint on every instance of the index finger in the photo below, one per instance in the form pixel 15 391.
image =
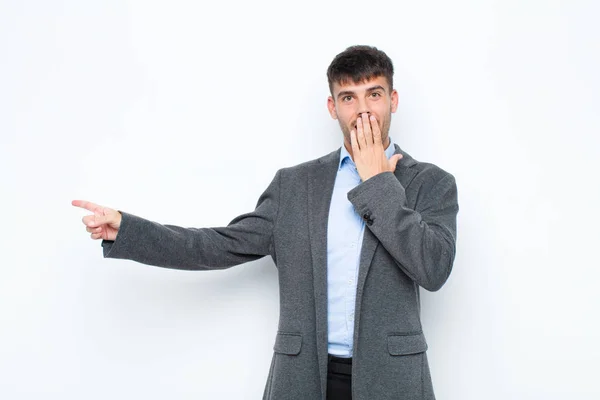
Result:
pixel 88 205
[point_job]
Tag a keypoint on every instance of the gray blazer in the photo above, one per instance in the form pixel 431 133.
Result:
pixel 410 242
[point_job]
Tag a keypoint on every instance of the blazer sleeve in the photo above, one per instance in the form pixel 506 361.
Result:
pixel 421 241
pixel 247 237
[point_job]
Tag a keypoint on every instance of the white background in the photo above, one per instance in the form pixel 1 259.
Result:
pixel 182 111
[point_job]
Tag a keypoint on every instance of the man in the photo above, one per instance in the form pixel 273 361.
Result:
pixel 354 234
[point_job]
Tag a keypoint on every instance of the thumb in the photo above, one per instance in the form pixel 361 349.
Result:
pixel 97 221
pixel 394 160
pixel 101 217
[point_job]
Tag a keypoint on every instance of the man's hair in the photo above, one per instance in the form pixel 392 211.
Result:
pixel 358 64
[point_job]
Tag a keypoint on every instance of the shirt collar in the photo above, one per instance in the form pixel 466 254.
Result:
pixel 345 156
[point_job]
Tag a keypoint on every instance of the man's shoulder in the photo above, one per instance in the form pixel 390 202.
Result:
pixel 427 171
pixel 302 168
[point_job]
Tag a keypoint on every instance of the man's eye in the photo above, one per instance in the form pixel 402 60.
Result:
pixel 347 98
pixel 375 94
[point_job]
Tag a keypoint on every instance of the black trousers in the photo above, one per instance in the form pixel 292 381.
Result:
pixel 339 378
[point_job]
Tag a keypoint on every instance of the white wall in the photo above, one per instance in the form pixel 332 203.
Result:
pixel 182 111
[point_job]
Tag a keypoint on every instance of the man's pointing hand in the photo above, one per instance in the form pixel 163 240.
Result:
pixel 103 224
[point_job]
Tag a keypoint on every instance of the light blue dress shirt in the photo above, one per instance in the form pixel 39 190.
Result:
pixel 345 231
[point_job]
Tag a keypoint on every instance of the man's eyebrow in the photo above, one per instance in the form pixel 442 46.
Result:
pixel 377 87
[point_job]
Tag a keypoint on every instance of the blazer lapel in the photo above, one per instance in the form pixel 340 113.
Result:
pixel 321 179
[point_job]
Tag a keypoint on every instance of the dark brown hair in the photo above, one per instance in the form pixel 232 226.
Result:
pixel 358 64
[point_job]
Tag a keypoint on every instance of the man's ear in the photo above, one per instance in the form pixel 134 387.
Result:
pixel 394 101
pixel 331 107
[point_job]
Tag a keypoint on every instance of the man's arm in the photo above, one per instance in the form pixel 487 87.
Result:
pixel 246 238
pixel 421 241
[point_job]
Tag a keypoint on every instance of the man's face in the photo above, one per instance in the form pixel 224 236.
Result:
pixel 348 101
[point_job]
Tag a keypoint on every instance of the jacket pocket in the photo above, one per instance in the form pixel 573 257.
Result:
pixel 288 343
pixel 406 343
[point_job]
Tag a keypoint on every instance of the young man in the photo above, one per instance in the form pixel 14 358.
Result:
pixel 354 234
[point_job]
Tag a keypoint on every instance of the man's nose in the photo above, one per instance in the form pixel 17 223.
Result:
pixel 363 107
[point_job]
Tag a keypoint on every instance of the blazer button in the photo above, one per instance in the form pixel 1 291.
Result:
pixel 369 222
pixel 366 216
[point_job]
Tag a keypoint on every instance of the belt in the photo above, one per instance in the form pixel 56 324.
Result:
pixel 339 365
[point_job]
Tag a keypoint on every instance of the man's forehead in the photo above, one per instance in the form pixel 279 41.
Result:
pixel 365 84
